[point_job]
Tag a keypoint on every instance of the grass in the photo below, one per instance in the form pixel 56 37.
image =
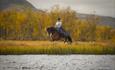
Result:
pixel 47 47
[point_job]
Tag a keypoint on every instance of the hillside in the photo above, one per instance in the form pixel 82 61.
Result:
pixel 104 20
pixel 4 4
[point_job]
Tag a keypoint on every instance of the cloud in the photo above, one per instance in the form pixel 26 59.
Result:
pixel 102 7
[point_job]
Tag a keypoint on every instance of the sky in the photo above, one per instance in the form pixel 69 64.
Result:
pixel 99 7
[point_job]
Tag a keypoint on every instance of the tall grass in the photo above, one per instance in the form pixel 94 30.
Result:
pixel 45 47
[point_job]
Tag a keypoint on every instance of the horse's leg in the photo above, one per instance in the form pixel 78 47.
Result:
pixel 51 37
pixel 65 39
pixel 69 39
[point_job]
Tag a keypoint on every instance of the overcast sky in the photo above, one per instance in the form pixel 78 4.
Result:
pixel 102 7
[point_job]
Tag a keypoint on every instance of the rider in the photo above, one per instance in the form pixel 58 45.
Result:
pixel 58 26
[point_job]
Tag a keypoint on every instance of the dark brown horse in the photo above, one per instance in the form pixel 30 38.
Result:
pixel 55 35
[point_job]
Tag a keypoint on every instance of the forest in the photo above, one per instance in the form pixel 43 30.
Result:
pixel 18 24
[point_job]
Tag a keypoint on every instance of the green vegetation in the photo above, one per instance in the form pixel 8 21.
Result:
pixel 46 47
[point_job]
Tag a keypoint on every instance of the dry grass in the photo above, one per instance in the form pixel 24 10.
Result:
pixel 47 47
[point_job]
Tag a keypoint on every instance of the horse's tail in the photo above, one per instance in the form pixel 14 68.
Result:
pixel 69 39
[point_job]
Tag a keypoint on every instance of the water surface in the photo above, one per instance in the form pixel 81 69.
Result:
pixel 57 62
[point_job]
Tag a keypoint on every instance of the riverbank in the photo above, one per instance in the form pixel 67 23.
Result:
pixel 47 47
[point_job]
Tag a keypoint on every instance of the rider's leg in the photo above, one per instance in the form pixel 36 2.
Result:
pixel 62 31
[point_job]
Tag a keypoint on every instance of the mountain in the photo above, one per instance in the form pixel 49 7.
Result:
pixel 103 20
pixel 4 4
pixel 107 21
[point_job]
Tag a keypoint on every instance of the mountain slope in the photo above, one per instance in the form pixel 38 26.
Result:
pixel 104 20
pixel 4 4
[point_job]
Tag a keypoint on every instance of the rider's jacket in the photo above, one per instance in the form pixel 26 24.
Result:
pixel 58 24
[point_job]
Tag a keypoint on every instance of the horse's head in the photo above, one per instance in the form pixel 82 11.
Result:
pixel 51 30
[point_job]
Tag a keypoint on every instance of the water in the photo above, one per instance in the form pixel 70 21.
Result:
pixel 57 62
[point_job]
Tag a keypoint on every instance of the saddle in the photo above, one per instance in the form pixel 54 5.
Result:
pixel 62 31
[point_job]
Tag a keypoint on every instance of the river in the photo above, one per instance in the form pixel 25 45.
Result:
pixel 57 62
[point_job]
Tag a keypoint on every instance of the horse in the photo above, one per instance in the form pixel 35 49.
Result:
pixel 55 35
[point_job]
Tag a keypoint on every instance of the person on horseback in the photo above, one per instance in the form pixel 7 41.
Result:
pixel 57 32
pixel 58 26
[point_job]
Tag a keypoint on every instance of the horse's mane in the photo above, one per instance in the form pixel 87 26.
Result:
pixel 51 29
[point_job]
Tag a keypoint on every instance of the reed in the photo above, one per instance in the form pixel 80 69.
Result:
pixel 46 47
